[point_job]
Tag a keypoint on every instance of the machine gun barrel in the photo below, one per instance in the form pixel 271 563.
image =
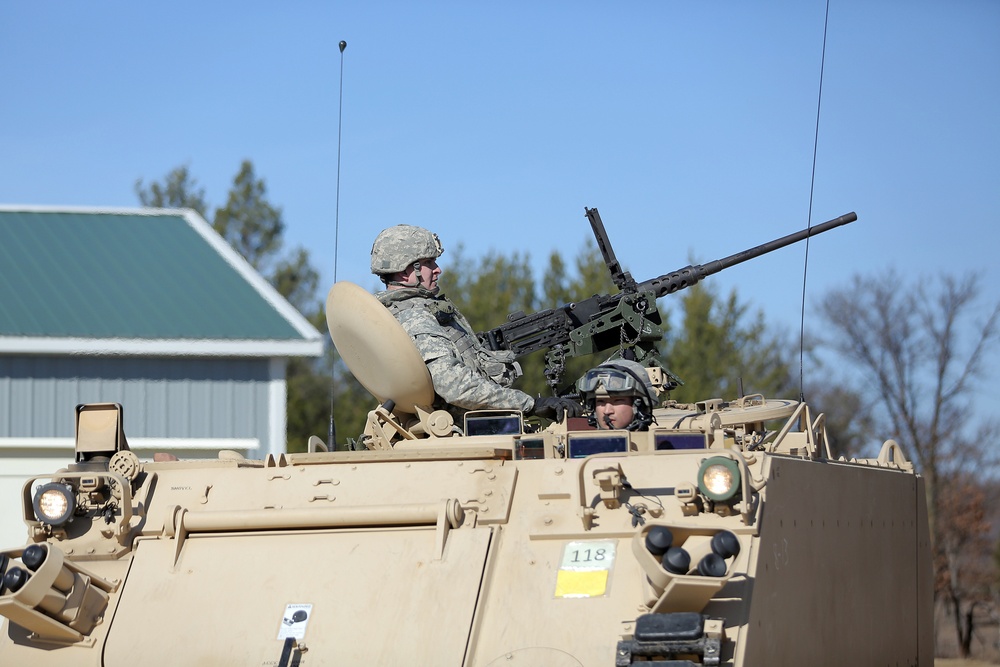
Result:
pixel 674 281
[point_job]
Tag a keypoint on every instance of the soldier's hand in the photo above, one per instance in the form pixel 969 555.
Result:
pixel 554 407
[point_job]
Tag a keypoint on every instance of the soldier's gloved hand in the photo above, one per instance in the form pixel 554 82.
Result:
pixel 554 407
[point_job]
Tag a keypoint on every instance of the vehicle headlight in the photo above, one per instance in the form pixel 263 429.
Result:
pixel 719 478
pixel 54 503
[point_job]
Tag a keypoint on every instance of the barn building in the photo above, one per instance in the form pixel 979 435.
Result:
pixel 149 308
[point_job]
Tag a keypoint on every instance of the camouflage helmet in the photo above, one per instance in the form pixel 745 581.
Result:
pixel 396 248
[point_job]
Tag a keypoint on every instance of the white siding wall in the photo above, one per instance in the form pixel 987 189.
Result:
pixel 191 407
pixel 162 398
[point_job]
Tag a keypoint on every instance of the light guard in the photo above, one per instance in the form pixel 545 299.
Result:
pixel 54 503
pixel 719 478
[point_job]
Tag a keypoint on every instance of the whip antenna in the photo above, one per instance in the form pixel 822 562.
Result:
pixel 340 124
pixel 332 433
pixel 812 186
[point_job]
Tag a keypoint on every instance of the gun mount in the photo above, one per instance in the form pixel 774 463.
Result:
pixel 628 318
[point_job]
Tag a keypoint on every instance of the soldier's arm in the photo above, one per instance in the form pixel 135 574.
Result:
pixel 461 386
pixel 454 381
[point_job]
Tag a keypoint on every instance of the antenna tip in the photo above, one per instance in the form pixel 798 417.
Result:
pixel 343 45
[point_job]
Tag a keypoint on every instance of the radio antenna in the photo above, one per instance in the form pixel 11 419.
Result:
pixel 331 437
pixel 812 187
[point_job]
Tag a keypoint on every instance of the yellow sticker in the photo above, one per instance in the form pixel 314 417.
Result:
pixel 585 569
pixel 581 584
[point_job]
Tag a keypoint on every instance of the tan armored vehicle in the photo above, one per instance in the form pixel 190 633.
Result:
pixel 723 535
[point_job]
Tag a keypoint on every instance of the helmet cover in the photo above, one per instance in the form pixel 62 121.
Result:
pixel 396 248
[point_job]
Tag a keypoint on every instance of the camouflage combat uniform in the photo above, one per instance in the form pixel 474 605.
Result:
pixel 466 375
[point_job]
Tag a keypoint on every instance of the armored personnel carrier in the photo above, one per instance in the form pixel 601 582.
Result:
pixel 725 534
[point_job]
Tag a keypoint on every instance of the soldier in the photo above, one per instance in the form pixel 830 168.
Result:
pixel 618 394
pixel 466 375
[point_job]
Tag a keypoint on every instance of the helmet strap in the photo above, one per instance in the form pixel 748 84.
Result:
pixel 640 418
pixel 416 266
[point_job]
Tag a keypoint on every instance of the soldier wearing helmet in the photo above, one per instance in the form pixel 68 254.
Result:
pixel 406 256
pixel 466 375
pixel 618 394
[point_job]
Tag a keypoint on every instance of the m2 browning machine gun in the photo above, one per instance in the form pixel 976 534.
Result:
pixel 626 319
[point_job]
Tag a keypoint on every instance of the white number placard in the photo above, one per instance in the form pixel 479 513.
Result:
pixel 585 569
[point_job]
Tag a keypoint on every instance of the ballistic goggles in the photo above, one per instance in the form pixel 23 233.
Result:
pixel 614 380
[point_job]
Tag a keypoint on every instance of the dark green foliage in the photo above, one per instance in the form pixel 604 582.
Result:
pixel 296 280
pixel 310 387
pixel 489 288
pixel 717 345
pixel 308 403
pixel 351 406
pixel 248 221
pixel 179 190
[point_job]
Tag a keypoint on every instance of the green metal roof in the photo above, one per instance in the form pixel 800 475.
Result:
pixel 132 274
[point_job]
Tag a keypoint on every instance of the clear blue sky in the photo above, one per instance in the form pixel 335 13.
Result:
pixel 690 125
